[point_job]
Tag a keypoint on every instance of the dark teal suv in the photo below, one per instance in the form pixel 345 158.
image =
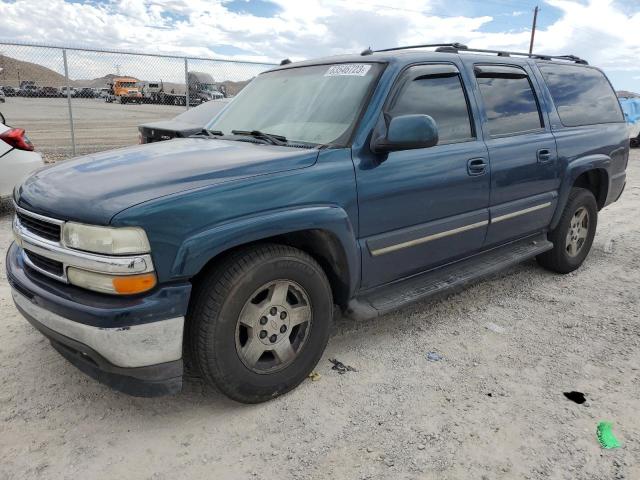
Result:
pixel 363 181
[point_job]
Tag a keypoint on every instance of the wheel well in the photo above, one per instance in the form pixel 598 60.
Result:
pixel 596 182
pixel 322 245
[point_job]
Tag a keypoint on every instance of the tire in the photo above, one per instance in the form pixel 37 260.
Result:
pixel 573 237
pixel 634 143
pixel 225 329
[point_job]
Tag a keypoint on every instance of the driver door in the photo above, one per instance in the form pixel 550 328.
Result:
pixel 425 207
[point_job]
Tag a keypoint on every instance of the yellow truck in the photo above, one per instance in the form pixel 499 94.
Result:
pixel 124 90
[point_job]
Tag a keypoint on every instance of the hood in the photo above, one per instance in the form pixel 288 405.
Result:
pixel 92 189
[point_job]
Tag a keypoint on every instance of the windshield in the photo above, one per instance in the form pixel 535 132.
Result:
pixel 318 104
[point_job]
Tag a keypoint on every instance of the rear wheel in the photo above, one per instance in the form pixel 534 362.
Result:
pixel 260 322
pixel 573 237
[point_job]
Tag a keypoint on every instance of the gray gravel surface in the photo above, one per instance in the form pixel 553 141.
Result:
pixel 98 125
pixel 490 408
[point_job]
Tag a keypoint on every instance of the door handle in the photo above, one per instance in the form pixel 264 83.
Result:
pixel 544 155
pixel 476 166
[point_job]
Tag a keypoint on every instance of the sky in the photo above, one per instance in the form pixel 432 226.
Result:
pixel 605 32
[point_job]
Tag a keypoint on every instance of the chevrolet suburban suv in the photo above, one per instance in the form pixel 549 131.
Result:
pixel 363 182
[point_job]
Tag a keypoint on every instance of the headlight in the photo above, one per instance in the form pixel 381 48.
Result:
pixel 105 240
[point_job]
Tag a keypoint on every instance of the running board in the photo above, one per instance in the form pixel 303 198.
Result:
pixel 382 300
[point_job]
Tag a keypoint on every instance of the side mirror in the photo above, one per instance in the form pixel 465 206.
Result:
pixel 408 132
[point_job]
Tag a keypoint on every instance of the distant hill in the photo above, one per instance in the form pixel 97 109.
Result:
pixel 99 82
pixel 14 71
pixel 233 88
pixel 626 94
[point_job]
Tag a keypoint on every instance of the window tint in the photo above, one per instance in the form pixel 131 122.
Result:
pixel 510 103
pixel 442 98
pixel 583 96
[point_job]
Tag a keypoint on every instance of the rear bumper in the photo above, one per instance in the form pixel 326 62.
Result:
pixel 132 345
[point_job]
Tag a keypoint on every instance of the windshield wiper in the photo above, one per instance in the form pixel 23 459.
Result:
pixel 208 133
pixel 270 137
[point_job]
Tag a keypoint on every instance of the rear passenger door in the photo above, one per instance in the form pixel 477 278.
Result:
pixel 522 151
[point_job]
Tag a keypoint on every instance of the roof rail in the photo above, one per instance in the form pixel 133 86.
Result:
pixel 457 47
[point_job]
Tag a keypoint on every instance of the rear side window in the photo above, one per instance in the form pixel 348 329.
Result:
pixel 441 96
pixel 509 100
pixel 583 96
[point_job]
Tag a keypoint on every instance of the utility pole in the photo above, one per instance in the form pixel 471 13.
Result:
pixel 533 29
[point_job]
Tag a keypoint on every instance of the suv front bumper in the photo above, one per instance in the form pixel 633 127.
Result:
pixel 134 345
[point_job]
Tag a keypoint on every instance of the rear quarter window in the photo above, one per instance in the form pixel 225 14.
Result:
pixel 582 95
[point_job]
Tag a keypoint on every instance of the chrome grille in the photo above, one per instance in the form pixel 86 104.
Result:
pixel 43 263
pixel 43 250
pixel 41 228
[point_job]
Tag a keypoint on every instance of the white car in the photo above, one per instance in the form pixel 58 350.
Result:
pixel 17 158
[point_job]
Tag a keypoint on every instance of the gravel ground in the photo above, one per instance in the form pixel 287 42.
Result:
pixel 98 125
pixel 491 408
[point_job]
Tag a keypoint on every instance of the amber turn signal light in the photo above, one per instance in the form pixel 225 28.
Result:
pixel 131 284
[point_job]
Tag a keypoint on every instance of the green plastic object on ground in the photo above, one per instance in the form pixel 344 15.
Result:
pixel 606 437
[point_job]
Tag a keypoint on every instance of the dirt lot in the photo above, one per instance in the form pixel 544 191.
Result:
pixel 98 125
pixel 491 408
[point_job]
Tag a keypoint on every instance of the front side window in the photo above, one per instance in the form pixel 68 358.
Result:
pixel 318 104
pixel 582 95
pixel 509 100
pixel 440 96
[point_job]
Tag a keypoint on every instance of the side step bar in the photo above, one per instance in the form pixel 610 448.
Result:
pixel 387 298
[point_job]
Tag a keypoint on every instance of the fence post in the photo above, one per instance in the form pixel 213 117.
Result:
pixel 66 75
pixel 186 79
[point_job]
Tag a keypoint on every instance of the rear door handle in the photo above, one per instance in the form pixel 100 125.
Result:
pixel 544 155
pixel 476 166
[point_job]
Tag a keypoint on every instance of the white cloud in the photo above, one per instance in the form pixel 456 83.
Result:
pixel 594 29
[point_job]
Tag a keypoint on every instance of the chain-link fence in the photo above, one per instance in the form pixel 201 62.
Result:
pixel 73 101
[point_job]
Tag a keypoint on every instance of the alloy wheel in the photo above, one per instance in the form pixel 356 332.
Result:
pixel 273 326
pixel 578 232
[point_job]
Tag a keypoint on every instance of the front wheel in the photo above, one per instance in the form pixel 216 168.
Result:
pixel 573 237
pixel 260 322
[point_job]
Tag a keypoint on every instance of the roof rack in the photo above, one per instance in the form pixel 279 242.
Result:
pixel 457 47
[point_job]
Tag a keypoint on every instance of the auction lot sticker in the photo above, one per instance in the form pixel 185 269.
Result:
pixel 348 69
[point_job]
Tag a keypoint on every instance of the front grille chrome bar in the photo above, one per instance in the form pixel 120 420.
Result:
pixel 37 216
pixel 125 265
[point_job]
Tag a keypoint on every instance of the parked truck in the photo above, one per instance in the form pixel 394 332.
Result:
pixel 28 88
pixel 148 90
pixel 202 88
pixel 124 90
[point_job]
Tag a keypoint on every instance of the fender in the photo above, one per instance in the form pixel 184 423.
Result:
pixel 574 169
pixel 197 250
